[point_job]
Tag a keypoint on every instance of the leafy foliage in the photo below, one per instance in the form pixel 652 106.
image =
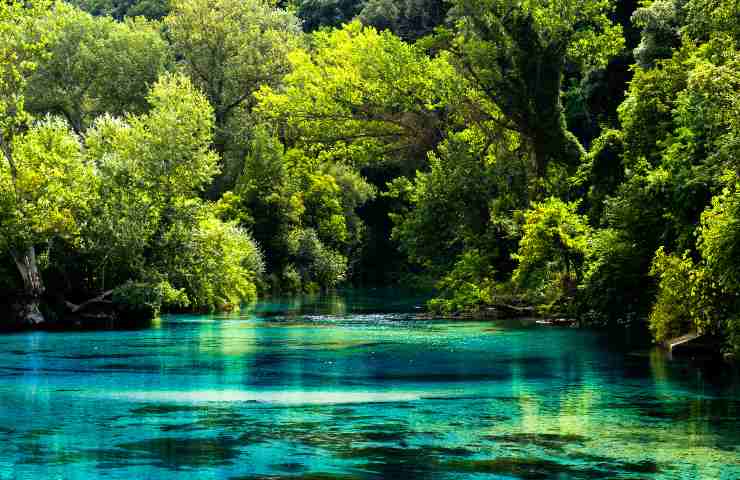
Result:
pixel 719 239
pixel 121 9
pixel 687 298
pixel 516 53
pixel 551 251
pixel 22 41
pixel 230 49
pixel 217 265
pixel 302 212
pixel 95 66
pixel 189 163
pixel 452 208
pixel 360 96
pixel 409 19
pixel 152 168
pixel 615 289
pixel 660 22
pixel 46 192
pixel 327 13
pixel 470 285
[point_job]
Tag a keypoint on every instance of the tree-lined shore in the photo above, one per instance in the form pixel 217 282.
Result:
pixel 577 157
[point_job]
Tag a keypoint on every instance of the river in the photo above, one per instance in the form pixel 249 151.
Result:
pixel 352 386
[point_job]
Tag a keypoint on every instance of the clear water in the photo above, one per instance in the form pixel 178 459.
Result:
pixel 329 388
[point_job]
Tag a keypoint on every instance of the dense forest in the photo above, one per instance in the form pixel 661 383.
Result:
pixel 576 156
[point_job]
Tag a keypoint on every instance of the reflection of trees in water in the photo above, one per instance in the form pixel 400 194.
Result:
pixel 557 394
pixel 632 413
pixel 298 306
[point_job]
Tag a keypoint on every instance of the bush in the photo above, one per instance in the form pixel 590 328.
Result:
pixel 551 252
pixel 149 298
pixel 615 288
pixel 703 295
pixel 291 280
pixel 719 239
pixel 688 299
pixel 316 263
pixel 302 211
pixel 222 266
pixel 719 244
pixel 469 286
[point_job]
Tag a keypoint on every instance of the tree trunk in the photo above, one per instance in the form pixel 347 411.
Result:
pixel 30 314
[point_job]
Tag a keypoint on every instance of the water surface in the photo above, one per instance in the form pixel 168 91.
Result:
pixel 350 386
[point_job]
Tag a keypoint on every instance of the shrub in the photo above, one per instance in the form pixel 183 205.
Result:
pixel 467 287
pixel 688 298
pixel 615 288
pixel 149 298
pixel 316 263
pixel 551 252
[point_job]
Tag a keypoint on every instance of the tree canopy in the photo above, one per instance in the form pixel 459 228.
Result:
pixel 230 49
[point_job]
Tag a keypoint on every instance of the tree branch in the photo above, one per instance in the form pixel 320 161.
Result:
pixel 99 299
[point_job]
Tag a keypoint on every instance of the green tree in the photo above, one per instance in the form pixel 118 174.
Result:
pixel 409 19
pixel 516 53
pixel 168 147
pixel 677 143
pixel 327 13
pixel 21 47
pixel 455 221
pixel 150 239
pixel 708 18
pixel 703 295
pixel 303 212
pixel 151 167
pixel 661 22
pixel 21 44
pixel 551 251
pixel 231 48
pixel 469 286
pixel 458 204
pixel 646 114
pixel 44 195
pixel 216 264
pixel 719 244
pixel 121 9
pixel 95 66
pixel 615 289
pixel 363 97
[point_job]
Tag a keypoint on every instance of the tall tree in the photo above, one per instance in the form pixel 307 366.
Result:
pixel 230 48
pixel 362 96
pixel 44 193
pixel 150 164
pixel 149 227
pixel 95 65
pixel 516 53
pixel 21 42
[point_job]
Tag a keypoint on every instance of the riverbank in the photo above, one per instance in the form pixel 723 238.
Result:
pixel 97 313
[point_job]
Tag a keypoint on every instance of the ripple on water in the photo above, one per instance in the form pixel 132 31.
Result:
pixel 177 453
pixel 284 397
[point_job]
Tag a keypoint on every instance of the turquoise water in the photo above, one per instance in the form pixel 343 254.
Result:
pixel 350 387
